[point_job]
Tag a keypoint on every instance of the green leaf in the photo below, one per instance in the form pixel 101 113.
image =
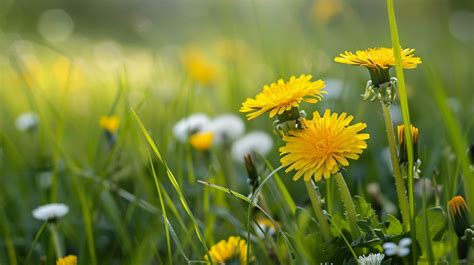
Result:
pixel 363 208
pixel 431 234
pixel 394 226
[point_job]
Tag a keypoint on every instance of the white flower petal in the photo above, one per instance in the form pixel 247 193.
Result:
pixel 26 121
pixel 227 127
pixel 258 142
pixel 405 242
pixel 402 252
pixel 191 124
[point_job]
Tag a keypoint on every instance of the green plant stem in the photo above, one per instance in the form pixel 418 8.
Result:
pixel 329 195
pixel 349 205
pixel 318 210
pixel 55 236
pixel 399 183
pixel 402 92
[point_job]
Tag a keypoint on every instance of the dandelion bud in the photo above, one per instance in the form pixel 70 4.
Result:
pixel 459 213
pixel 251 172
pixel 403 154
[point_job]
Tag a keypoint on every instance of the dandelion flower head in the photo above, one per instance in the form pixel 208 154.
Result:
pixel 323 146
pixel 68 260
pixel 381 58
pixel 50 211
pixel 225 251
pixel 282 96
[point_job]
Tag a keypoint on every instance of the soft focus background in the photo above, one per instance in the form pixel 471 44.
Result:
pixel 71 62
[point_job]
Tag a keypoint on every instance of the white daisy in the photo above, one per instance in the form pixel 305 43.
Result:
pixel 258 142
pixel 50 211
pixel 371 259
pixel 189 125
pixel 27 121
pixel 226 128
pixel 401 249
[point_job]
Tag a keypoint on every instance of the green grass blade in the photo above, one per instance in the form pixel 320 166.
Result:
pixel 163 210
pixel 173 181
pixel 284 191
pixel 456 136
pixel 33 244
pixel 402 92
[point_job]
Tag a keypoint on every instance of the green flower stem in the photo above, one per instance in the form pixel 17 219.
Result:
pixel 349 205
pixel 318 210
pixel 55 236
pixel 397 172
pixel 329 194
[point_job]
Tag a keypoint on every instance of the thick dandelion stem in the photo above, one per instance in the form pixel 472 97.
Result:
pixel 55 237
pixel 349 205
pixel 397 172
pixel 318 210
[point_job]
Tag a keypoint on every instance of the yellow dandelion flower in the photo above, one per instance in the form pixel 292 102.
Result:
pixel 379 58
pixel 68 260
pixel 199 68
pixel 323 145
pixel 201 140
pixel 378 61
pixel 282 96
pixel 224 251
pixel 109 123
pixel 403 156
pixel 67 74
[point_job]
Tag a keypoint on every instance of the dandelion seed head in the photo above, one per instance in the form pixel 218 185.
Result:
pixel 50 211
pixel 257 141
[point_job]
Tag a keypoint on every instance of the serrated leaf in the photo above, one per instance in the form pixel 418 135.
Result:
pixel 363 208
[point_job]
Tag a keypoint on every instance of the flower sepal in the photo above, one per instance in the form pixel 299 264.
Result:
pixel 385 92
pixel 289 121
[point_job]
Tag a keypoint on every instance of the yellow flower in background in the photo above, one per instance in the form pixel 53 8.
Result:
pixel 67 74
pixel 323 146
pixel 199 68
pixel 381 58
pixel 234 248
pixel 282 96
pixel 201 140
pixel 109 123
pixel 325 10
pixel 68 260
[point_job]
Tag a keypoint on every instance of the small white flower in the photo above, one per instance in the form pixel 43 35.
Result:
pixel 371 259
pixel 189 125
pixel 258 142
pixel 27 121
pixel 226 128
pixel 50 211
pixel 401 249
